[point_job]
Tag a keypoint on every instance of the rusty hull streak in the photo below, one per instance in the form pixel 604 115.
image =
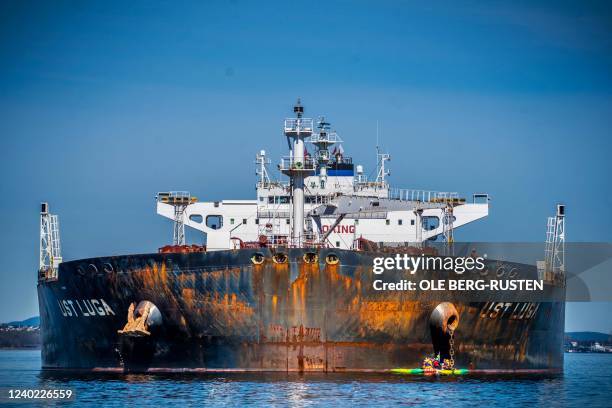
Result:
pixel 222 313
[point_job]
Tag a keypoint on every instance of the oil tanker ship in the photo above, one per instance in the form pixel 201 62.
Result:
pixel 284 281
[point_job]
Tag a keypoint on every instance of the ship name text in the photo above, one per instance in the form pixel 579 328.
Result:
pixel 84 307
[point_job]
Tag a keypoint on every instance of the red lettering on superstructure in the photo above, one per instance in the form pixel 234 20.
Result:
pixel 340 229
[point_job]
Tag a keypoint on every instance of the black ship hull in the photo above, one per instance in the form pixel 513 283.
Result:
pixel 222 311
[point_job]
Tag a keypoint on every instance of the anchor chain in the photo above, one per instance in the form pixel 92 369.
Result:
pixel 121 362
pixel 451 350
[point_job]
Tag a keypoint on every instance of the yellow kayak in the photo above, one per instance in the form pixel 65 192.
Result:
pixel 420 371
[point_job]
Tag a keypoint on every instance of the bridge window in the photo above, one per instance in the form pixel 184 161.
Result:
pixel 196 218
pixel 430 223
pixel 214 221
pixel 278 200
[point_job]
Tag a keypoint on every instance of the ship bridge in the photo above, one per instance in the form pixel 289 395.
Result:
pixel 328 200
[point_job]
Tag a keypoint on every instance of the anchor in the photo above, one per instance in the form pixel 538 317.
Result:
pixel 137 339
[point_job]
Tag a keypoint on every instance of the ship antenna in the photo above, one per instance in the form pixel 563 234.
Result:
pixel 298 109
pixel 377 149
pixel 377 136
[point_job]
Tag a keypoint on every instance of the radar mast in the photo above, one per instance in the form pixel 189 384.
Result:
pixel 297 166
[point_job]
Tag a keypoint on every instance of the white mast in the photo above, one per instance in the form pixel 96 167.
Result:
pixel 50 252
pixel 262 171
pixel 297 166
pixel 382 171
pixel 555 241
pixel 323 139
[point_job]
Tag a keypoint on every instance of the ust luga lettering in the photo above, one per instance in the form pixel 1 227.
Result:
pixel 84 307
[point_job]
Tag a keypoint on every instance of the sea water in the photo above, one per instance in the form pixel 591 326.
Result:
pixel 585 383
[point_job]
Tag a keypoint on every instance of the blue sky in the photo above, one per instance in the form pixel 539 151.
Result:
pixel 102 104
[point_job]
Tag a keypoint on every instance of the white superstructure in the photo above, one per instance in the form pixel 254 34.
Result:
pixel 325 202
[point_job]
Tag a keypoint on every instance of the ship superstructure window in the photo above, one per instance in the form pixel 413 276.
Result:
pixel 278 200
pixel 411 222
pixel 288 221
pixel 231 221
pixel 214 221
pixel 244 220
pixel 338 244
pixel 387 222
pixel 430 223
pixel 315 199
pixel 399 222
pixel 196 218
pixel 256 221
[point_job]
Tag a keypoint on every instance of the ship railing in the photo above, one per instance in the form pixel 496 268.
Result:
pixel 267 214
pixel 302 125
pixel 375 185
pixel 176 197
pixel 292 164
pixel 366 215
pixel 424 196
pixel 327 137
pixel 271 184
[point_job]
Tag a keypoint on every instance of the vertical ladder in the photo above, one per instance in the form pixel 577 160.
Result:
pixel 50 250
